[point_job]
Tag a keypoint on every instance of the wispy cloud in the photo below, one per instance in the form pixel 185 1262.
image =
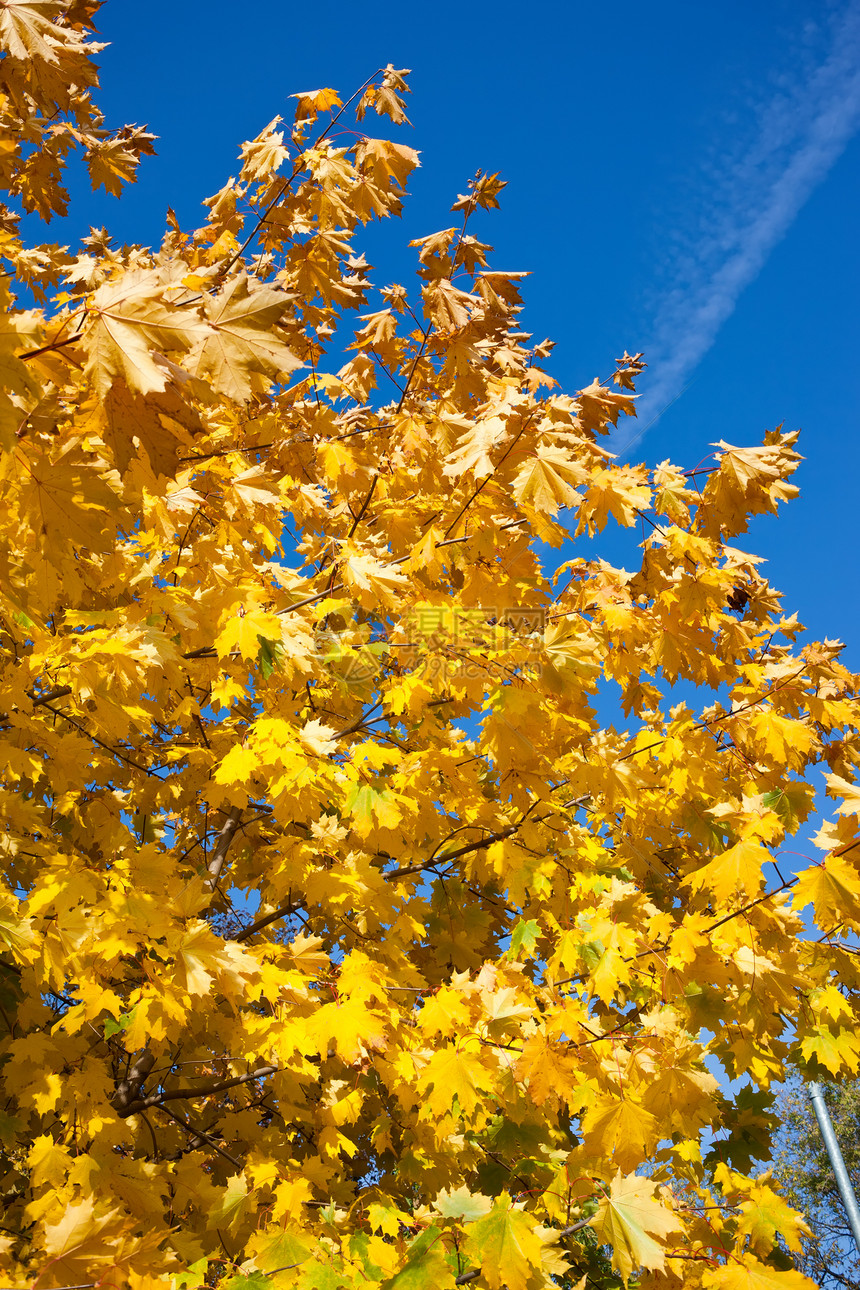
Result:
pixel 801 131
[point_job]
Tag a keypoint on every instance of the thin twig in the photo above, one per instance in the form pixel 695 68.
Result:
pixel 201 1133
pixel 737 913
pixel 297 169
pixel 58 712
pixel 46 349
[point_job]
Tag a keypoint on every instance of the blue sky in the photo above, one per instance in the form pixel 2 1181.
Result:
pixel 682 179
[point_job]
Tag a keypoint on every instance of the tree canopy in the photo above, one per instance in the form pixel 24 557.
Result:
pixel 382 897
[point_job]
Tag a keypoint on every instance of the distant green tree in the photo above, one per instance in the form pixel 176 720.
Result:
pixel 829 1255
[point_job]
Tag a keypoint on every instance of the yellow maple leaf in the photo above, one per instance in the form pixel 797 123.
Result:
pixel 350 1027
pixel 507 1247
pixel 474 449
pixel 242 340
pixel 547 481
pixel 113 162
pixel 833 889
pixel 231 1204
pixel 737 868
pixel 27 30
pixel 787 741
pixel 255 487
pixel 629 1218
pixel 549 1069
pixel 201 957
pixel 16 933
pixel 162 425
pixel 444 1012
pixel 66 497
pixel 619 1130
pixel 82 1240
pixel 837 1050
pixel 749 1273
pixel 687 940
pixel 764 1214
pixel 837 786
pixel 238 766
pixel 619 491
pixel 459 1202
pixel 312 102
pixel 128 325
pixel 243 630
pixel 264 155
pixel 681 1095
pixel 372 582
pixel 600 406
pixel 48 1161
pixel 453 1072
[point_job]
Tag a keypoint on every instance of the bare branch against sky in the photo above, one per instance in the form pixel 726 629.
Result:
pixel 802 130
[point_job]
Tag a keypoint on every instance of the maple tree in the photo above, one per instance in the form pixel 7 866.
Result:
pixel 344 942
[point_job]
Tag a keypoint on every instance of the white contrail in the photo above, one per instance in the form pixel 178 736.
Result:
pixel 800 137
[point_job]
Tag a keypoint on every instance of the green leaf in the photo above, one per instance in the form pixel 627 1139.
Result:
pixel 115 1025
pixel 358 1248
pixel 367 804
pixel 192 1277
pixel 253 1281
pixel 321 1276
pixel 524 938
pixel 591 953
pixel 629 1218
pixel 792 804
pixel 506 1246
pixel 425 1268
pixel 269 656
pixel 234 1198
pixel 286 1249
pixel 383 1218
pixel 463 1204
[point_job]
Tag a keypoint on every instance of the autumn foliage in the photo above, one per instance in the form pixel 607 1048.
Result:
pixel 382 903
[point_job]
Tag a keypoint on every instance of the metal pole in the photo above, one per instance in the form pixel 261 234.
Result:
pixel 840 1173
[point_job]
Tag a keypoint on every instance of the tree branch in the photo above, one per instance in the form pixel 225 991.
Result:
pixel 204 1090
pixel 50 695
pixel 469 847
pixel 128 1092
pixel 282 912
pixel 297 169
pixel 452 855
pixel 58 712
pixel 222 846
